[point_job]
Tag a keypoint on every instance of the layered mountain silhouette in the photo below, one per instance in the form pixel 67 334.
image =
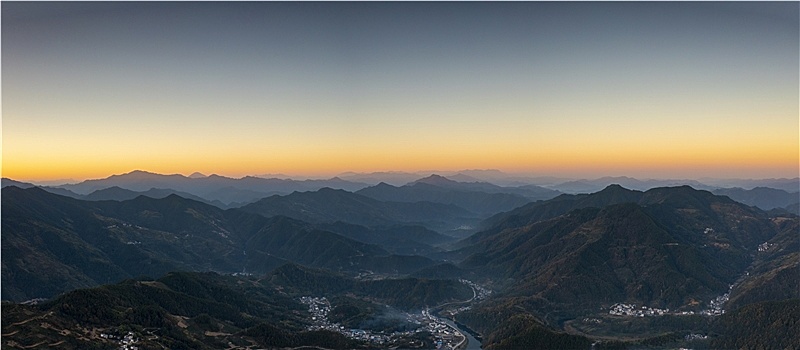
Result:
pixel 228 192
pixel 120 194
pixel 594 185
pixel 53 243
pixel 329 205
pixel 10 182
pixel 551 264
pixel 213 187
pixel 762 197
pixel 478 197
pixel 788 185
pixel 398 239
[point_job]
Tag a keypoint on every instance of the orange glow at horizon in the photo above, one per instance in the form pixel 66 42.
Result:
pixel 552 90
pixel 580 160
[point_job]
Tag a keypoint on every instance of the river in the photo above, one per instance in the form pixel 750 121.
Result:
pixel 472 343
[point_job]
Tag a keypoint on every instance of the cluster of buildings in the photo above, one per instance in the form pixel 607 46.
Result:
pixel 763 247
pixel 715 305
pixel 695 336
pixel 458 310
pixel 446 336
pixel 319 307
pixel 480 292
pixel 622 309
pixel 124 224
pixel 715 308
pixel 126 341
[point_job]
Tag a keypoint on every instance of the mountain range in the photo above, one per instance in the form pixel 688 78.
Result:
pixel 660 247
pixel 226 192
pixel 212 187
pixel 329 205
pixel 763 197
pixel 554 266
pixel 667 248
pixel 478 197
pixel 53 243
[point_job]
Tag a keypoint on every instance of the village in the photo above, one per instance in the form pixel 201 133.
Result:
pixel 715 308
pixel 126 341
pixel 445 335
pixel 622 309
pixel 481 293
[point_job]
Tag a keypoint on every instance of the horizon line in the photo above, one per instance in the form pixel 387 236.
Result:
pixel 504 175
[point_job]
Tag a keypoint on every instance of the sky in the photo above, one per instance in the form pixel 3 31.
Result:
pixel 651 90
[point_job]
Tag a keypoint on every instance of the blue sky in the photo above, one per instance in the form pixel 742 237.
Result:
pixel 640 89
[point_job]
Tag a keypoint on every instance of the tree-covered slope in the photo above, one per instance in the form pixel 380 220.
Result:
pixel 52 243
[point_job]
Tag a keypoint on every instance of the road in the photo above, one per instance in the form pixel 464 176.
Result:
pixel 453 325
pixel 474 295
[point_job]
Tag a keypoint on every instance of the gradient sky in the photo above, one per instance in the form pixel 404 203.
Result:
pixel 568 89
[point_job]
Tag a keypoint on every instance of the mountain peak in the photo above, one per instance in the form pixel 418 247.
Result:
pixel 197 175
pixel 461 177
pixel 614 187
pixel 435 179
pixel 137 173
pixel 9 182
pixel 383 185
pixel 327 189
pixel 617 194
pixel 133 175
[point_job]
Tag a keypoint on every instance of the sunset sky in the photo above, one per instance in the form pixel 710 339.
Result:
pixel 652 90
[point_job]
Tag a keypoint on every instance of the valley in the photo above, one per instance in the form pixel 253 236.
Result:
pixel 617 268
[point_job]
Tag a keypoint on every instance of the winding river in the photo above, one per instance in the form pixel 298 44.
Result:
pixel 472 343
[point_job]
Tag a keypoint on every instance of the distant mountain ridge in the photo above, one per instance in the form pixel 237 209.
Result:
pixel 479 197
pixel 590 186
pixel 531 192
pixel 788 185
pixel 116 193
pixel 330 205
pixel 10 182
pixel 229 192
pixel 209 187
pixel 569 185
pixel 763 197
pixel 481 203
